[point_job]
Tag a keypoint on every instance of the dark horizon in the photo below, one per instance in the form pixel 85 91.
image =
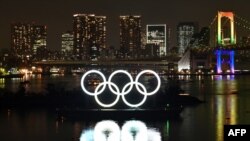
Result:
pixel 58 15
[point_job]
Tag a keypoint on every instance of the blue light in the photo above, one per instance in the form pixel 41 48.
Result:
pixel 219 62
pixel 218 54
pixel 232 62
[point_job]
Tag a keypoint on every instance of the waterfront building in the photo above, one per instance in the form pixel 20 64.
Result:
pixel 88 30
pixel 185 32
pixel 159 34
pixel 39 37
pixel 130 36
pixel 26 38
pixel 67 45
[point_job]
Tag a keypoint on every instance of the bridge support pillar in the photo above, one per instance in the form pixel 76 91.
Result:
pixel 231 61
pixel 218 56
pixel 219 62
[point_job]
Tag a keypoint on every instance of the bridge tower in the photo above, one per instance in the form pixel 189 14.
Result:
pixel 230 16
pixel 221 41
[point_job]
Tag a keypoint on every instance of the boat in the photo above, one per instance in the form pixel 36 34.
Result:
pixel 55 70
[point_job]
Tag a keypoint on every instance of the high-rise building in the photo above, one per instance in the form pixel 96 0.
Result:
pixel 130 36
pixel 143 38
pixel 89 31
pixel 185 31
pixel 168 41
pixel 21 40
pixel 159 34
pixel 67 44
pixel 39 37
pixel 201 39
pixel 26 39
pixel 204 36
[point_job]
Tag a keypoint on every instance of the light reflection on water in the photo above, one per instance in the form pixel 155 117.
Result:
pixel 225 104
pixel 87 135
pixel 226 113
pixel 108 130
pixel 2 83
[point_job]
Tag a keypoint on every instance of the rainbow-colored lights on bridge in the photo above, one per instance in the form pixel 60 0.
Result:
pixel 230 16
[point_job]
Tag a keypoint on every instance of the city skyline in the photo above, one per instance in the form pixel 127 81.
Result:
pixel 58 16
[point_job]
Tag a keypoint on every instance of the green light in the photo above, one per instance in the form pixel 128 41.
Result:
pixel 166 129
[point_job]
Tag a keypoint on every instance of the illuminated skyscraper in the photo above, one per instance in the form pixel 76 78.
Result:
pixel 130 35
pixel 26 39
pixel 185 31
pixel 39 37
pixel 67 44
pixel 159 34
pixel 89 31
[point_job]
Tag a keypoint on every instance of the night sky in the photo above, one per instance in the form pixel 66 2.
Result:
pixel 57 14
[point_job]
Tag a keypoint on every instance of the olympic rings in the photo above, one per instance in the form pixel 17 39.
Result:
pixel 86 74
pixel 124 91
pixel 106 105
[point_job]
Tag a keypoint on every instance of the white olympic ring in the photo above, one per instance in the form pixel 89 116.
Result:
pixel 124 91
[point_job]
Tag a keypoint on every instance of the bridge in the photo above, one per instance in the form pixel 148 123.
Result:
pixel 220 54
pixel 158 65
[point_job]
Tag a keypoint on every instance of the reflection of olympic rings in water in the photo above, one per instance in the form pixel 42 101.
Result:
pixel 124 91
pixel 109 130
pixel 106 129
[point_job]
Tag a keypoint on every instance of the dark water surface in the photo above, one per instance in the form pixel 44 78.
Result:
pixel 227 102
